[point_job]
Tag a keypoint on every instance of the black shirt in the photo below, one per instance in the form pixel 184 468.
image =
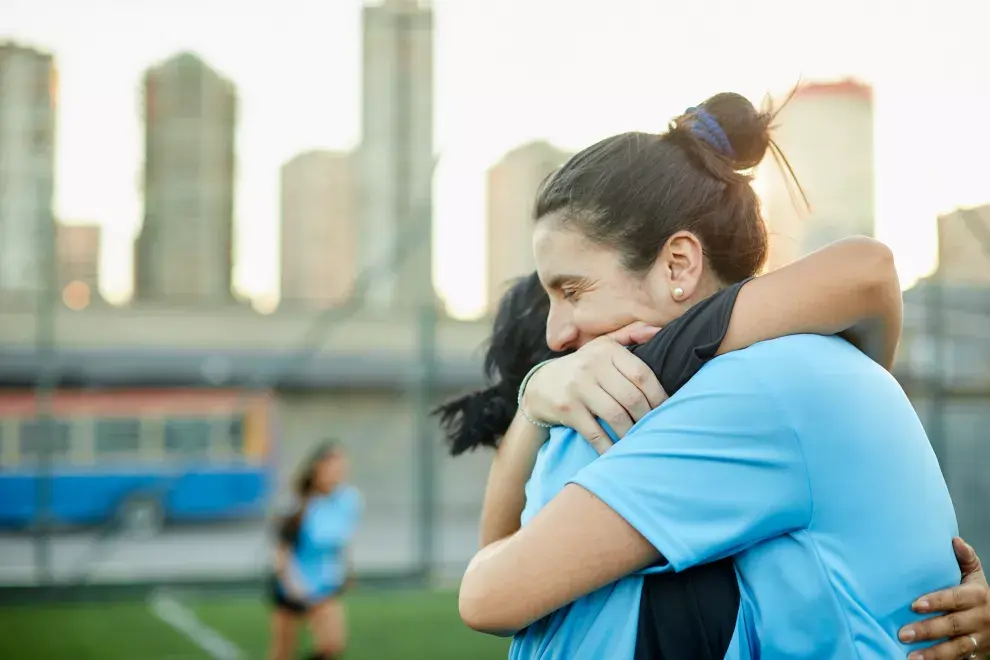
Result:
pixel 689 615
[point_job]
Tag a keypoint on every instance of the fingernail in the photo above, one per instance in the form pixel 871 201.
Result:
pixel 916 656
pixel 907 634
pixel 922 605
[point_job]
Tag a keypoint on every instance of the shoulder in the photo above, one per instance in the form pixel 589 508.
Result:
pixel 785 346
pixel 741 389
pixel 343 498
pixel 769 365
pixel 350 497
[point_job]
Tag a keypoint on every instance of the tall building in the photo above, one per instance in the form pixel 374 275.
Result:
pixel 964 246
pixel 512 186
pixel 77 249
pixel 826 133
pixel 184 251
pixel 396 154
pixel 27 168
pixel 319 246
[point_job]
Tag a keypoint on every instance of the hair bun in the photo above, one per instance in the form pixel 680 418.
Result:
pixel 747 129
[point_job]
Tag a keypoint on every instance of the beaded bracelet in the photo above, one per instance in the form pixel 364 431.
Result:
pixel 522 390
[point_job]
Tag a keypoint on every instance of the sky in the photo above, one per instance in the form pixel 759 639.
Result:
pixel 508 71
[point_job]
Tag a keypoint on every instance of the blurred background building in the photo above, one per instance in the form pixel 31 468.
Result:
pixel 396 154
pixel 77 259
pixel 184 253
pixel 826 133
pixel 27 167
pixel 319 229
pixel 964 247
pixel 512 186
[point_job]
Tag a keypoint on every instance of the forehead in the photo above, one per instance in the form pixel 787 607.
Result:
pixel 555 243
pixel 560 250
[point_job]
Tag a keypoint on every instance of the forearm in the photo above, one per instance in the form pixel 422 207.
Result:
pixel 505 494
pixel 879 335
pixel 849 287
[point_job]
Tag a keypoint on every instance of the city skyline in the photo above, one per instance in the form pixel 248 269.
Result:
pixel 480 78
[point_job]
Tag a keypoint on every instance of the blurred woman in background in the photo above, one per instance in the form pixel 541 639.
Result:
pixel 312 558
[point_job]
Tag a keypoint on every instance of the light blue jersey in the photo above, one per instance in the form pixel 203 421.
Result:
pixel 328 526
pixel 805 460
pixel 602 624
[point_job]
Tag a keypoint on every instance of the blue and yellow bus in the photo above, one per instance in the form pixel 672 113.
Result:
pixel 142 457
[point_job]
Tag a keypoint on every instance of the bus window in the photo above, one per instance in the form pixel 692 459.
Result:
pixel 32 440
pixel 187 437
pixel 117 437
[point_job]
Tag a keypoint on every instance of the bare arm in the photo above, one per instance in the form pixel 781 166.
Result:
pixel 518 580
pixel 284 574
pixel 505 494
pixel 849 287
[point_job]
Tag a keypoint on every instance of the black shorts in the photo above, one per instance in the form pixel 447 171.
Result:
pixel 292 605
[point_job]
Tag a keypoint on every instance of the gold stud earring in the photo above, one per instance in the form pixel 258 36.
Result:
pixel 678 293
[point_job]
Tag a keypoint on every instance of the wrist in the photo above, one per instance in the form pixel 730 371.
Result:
pixel 525 401
pixel 527 432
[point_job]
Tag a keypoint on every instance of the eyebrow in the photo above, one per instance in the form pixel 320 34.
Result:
pixel 558 281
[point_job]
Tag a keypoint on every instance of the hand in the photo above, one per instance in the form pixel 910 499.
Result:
pixel 294 591
pixel 600 380
pixel 964 614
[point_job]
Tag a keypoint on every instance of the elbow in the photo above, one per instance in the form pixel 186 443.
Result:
pixel 879 276
pixel 482 610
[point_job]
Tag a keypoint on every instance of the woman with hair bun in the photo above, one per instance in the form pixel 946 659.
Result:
pixel 719 525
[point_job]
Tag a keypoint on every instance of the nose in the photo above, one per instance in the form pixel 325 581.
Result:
pixel 562 334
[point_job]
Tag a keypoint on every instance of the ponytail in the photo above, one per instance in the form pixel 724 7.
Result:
pixel 518 343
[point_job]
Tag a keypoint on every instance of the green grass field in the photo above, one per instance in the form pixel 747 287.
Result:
pixel 383 625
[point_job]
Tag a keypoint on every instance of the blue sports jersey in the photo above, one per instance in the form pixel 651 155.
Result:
pixel 802 458
pixel 319 560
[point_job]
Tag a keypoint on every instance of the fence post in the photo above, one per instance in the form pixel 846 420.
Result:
pixel 426 440
pixel 45 387
pixel 935 317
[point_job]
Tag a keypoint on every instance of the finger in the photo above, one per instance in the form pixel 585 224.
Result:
pixel 602 405
pixel 643 334
pixel 956 624
pixel 640 375
pixel 968 560
pixel 619 388
pixel 963 597
pixel 588 428
pixel 634 333
pixel 960 647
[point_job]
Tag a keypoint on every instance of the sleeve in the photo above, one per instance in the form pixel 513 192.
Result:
pixel 335 523
pixel 713 471
pixel 676 353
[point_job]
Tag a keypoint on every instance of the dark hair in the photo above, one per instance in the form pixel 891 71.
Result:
pixel 518 342
pixel 304 485
pixel 633 191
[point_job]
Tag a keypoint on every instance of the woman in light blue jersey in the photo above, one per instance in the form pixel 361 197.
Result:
pixel 580 279
pixel 677 612
pixel 312 558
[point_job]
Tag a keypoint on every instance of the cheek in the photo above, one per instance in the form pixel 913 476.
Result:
pixel 594 319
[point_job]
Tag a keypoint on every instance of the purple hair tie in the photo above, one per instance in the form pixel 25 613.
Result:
pixel 708 130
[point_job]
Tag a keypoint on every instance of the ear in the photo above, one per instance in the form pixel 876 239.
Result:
pixel 681 263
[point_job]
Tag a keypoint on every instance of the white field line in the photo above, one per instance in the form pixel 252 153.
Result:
pixel 185 621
